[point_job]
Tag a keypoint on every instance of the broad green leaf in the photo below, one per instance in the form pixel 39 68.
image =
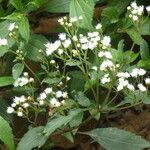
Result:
pixel 119 5
pixel 111 14
pixel 5 81
pixel 69 136
pixel 59 122
pixel 17 70
pixel 76 78
pixel 3 108
pixel 117 139
pixel 145 27
pixel 82 99
pixel 58 6
pixel 24 28
pixel 32 139
pixel 135 36
pixel 121 45
pixel 144 50
pixel 6 134
pixel 4 27
pixel 3 50
pixel 36 43
pixel 85 9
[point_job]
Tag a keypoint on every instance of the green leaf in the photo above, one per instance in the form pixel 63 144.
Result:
pixel 135 36
pixel 144 50
pixel 3 50
pixel 111 14
pixel 17 70
pixel 36 43
pixel 6 134
pixel 59 122
pixel 117 139
pixel 17 4
pixel 145 27
pixel 119 5
pixel 32 139
pixel 69 136
pixel 121 45
pixel 82 99
pixel 57 6
pixel 85 9
pixel 24 28
pixel 5 81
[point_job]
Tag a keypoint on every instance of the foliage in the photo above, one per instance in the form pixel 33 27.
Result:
pixel 89 70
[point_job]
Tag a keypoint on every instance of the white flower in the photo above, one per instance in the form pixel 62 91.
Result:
pixel 129 8
pixel 3 42
pixel 59 94
pixel 80 18
pixel 142 87
pixel 108 55
pixel 25 74
pixel 22 99
pixel 134 5
pixel 83 39
pixel 68 78
pixel 123 75
pixel 25 105
pixel 57 104
pixel 43 96
pixel 135 18
pixel 31 80
pixel 119 87
pixel 95 68
pixel 62 36
pixel 53 101
pixel 101 54
pixel 19 114
pixel 67 43
pixel 41 102
pixel 10 110
pixel 16 100
pixel 130 87
pixel 13 105
pixel 148 8
pixel 147 80
pixel 105 80
pixel 52 62
pixel 51 47
pixel 65 95
pixel 134 72
pixel 106 64
pixel 60 51
pixel 140 10
pixel 11 26
pixel 73 19
pixel 48 90
pixel 106 41
pixel 130 15
pixel 141 72
pixel 85 46
pixel 98 26
pixel 75 38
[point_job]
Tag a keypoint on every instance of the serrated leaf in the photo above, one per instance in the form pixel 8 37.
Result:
pixel 59 122
pixel 17 70
pixel 117 139
pixel 111 14
pixel 35 43
pixel 32 139
pixel 82 99
pixel 57 6
pixel 135 36
pixel 49 80
pixel 6 134
pixel 119 5
pixel 144 49
pixel 5 81
pixel 85 9
pixel 24 28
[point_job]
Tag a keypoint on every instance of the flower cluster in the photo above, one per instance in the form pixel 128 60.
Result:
pixel 136 11
pixel 23 80
pixel 19 105
pixel 54 98
pixel 136 73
